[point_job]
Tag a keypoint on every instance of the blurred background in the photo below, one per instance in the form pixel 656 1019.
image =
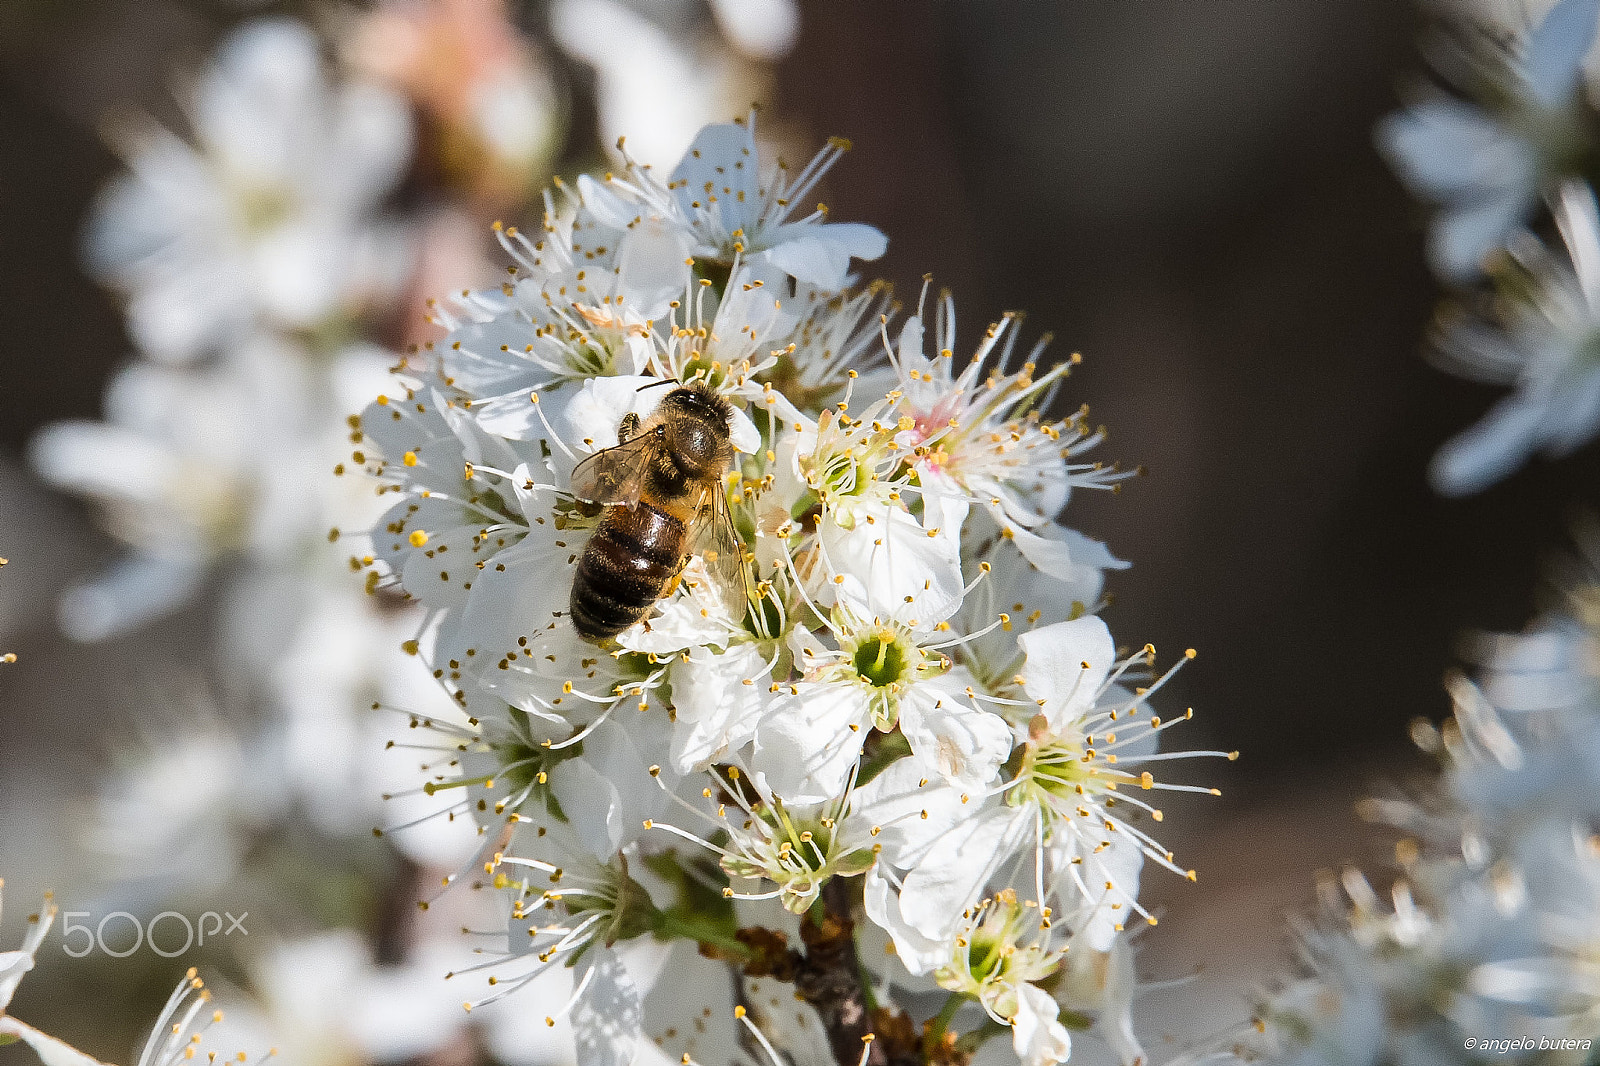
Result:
pixel 1187 193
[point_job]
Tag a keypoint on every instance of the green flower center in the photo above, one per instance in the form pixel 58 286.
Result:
pixel 1052 773
pixel 264 208
pixel 996 955
pixel 526 768
pixel 880 661
pixel 986 952
pixel 799 855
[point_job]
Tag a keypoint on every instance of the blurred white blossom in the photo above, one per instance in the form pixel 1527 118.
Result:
pixel 1489 931
pixel 659 82
pixel 269 218
pixel 483 85
pixel 1487 160
pixel 1546 347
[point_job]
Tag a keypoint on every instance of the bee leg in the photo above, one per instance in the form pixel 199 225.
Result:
pixel 672 583
pixel 629 427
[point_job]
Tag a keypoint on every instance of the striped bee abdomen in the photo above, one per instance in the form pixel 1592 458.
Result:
pixel 632 556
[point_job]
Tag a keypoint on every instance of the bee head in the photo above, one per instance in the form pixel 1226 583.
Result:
pixel 696 430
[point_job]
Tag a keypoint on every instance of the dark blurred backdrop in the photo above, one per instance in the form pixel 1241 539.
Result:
pixel 1184 190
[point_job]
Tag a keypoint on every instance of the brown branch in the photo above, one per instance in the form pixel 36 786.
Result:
pixel 830 980
pixel 828 975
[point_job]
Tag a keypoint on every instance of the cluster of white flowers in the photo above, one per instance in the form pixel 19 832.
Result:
pixel 248 260
pixel 231 252
pixel 1520 135
pixel 1488 947
pixel 1493 933
pixel 859 673
pixel 266 257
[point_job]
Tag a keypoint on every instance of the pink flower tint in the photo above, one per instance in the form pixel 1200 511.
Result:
pixel 473 75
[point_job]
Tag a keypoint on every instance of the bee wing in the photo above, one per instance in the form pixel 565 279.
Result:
pixel 714 538
pixel 615 475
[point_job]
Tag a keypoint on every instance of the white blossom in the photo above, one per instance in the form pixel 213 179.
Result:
pixel 1544 349
pixel 1087 749
pixel 722 205
pixel 1487 163
pixel 978 436
pixel 268 218
pixel 881 675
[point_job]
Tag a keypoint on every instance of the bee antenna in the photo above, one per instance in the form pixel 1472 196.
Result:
pixel 653 384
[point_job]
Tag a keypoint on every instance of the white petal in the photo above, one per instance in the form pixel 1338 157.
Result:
pixel 180 316
pixel 717 711
pixel 401 1012
pixel 653 266
pixel 820 255
pixel 807 747
pixel 895 801
pixel 1478 351
pixel 103 459
pixel 1463 237
pixel 952 875
pixel 609 792
pixel 1037 1036
pixel 260 97
pixel 1488 451
pixel 1067 662
pixel 722 156
pixel 891 568
pixel 51 1052
pixel 652 86
pixel 952 738
pixel 591 804
pixel 1101 984
pixel 1119 865
pixel 439 572
pixel 608 208
pixel 13 966
pixel 1578 217
pixel 298 270
pixel 523 599
pixel 695 1005
pixel 1553 63
pixel 918 953
pixel 1443 148
pixel 590 422
pixel 607 1017
pixel 945 503
pixel 1067 556
pixel 366 147
pixel 132 591
pixel 762 29
pixel 743 432
pixel 518 1035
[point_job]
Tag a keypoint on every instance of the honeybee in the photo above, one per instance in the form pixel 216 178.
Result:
pixel 665 501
